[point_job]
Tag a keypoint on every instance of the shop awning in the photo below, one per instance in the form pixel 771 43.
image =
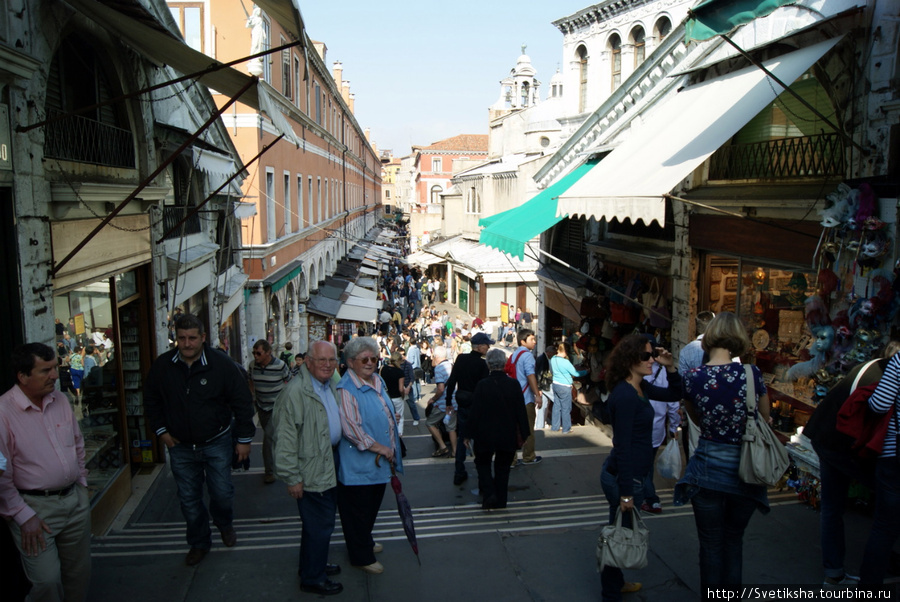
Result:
pixel 630 182
pixel 355 313
pixel 510 230
pixel 163 48
pixel 279 279
pixel 718 17
pixel 424 259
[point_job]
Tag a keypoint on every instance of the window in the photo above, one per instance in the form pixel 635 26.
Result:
pixel 189 17
pixel 318 104
pixel 437 165
pixel 301 222
pixel 637 39
pixel 582 78
pixel 271 232
pixel 309 199
pixel 615 60
pixel 327 201
pixel 267 60
pixel 436 194
pixel 288 218
pixel 663 27
pixel 473 201
pixel 387 194
pixel 296 80
pixel 318 200
pixel 287 88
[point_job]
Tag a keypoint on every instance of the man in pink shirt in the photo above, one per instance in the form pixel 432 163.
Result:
pixel 43 493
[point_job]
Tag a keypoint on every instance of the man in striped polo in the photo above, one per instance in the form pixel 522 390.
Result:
pixel 268 375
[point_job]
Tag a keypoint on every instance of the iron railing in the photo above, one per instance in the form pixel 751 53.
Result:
pixel 802 157
pixel 172 215
pixel 84 140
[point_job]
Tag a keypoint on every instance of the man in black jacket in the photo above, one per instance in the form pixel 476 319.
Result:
pixel 468 370
pixel 191 394
pixel 498 423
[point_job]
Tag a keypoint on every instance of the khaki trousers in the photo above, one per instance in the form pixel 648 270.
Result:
pixel 528 447
pixel 63 570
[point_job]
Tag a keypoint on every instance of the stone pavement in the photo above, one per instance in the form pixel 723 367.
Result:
pixel 542 548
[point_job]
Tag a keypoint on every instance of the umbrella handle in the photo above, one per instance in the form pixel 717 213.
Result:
pixel 393 465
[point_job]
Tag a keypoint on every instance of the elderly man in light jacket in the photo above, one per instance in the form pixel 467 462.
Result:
pixel 307 431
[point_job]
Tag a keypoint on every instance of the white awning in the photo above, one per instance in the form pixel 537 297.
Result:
pixel 356 313
pixel 218 168
pixel 369 271
pixel 423 258
pixel 630 182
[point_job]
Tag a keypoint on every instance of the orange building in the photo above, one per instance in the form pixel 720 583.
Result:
pixel 317 190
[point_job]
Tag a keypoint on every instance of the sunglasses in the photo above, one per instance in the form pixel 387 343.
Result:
pixel 646 355
pixel 367 360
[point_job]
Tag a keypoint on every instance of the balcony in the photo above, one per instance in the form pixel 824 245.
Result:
pixel 77 138
pixel 803 157
pixel 172 215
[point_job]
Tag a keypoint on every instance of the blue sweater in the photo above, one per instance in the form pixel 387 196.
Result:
pixel 632 421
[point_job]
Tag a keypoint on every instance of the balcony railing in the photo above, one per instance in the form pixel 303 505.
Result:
pixel 77 138
pixel 172 215
pixel 803 157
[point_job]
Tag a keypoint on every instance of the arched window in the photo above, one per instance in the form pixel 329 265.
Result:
pixel 662 28
pixel 526 89
pixel 582 78
pixel 615 60
pixel 436 194
pixel 637 40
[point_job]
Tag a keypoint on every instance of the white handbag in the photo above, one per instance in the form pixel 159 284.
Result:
pixel 622 547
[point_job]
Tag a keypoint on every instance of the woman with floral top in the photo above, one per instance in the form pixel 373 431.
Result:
pixel 715 398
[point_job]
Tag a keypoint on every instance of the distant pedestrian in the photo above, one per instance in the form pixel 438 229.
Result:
pixel 469 369
pixel 191 395
pixel 268 375
pixel 497 422
pixel 524 361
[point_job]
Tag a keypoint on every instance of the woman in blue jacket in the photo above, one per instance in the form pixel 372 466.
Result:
pixel 563 371
pixel 631 458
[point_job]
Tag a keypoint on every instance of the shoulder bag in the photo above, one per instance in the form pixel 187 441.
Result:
pixel 622 547
pixel 764 458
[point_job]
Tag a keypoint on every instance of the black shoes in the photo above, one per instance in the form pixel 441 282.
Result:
pixel 195 556
pixel 326 588
pixel 330 570
pixel 229 537
pixel 459 479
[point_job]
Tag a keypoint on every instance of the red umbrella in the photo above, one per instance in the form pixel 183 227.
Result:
pixel 404 510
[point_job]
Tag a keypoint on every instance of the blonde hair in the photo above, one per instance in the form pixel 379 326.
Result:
pixel 725 331
pixel 891 349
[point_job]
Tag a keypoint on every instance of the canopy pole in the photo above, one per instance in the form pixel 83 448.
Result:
pixel 740 215
pixel 800 99
pixel 197 74
pixel 146 182
pixel 200 205
pixel 603 284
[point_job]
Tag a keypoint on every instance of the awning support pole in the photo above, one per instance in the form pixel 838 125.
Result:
pixel 200 205
pixel 213 68
pixel 146 182
pixel 740 215
pixel 800 99
pixel 603 284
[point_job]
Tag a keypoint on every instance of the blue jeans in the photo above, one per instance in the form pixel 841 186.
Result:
pixel 611 578
pixel 317 512
pixel 649 488
pixel 562 407
pixel 414 393
pixel 721 519
pixel 886 523
pixel 191 465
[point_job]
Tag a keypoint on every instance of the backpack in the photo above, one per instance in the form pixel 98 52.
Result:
pixel 867 428
pixel 287 357
pixel 510 367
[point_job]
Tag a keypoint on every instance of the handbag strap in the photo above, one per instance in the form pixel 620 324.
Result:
pixel 751 391
pixel 635 518
pixel 859 374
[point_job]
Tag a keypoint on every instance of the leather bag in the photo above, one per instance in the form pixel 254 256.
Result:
pixel 764 458
pixel 622 547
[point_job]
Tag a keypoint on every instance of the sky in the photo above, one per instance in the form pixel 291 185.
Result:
pixel 425 71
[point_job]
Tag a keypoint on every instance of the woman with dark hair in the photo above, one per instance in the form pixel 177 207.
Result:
pixel 631 458
pixel 715 398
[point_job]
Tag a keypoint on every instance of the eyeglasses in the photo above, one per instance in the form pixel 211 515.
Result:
pixel 367 360
pixel 257 353
pixel 646 355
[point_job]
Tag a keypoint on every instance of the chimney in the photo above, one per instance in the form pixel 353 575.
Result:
pixel 338 72
pixel 367 132
pixel 345 90
pixel 351 102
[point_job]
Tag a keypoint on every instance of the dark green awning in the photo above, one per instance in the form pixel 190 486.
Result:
pixel 510 230
pixel 718 17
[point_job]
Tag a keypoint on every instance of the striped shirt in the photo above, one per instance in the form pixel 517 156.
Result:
pixel 886 394
pixel 268 381
pixel 351 419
